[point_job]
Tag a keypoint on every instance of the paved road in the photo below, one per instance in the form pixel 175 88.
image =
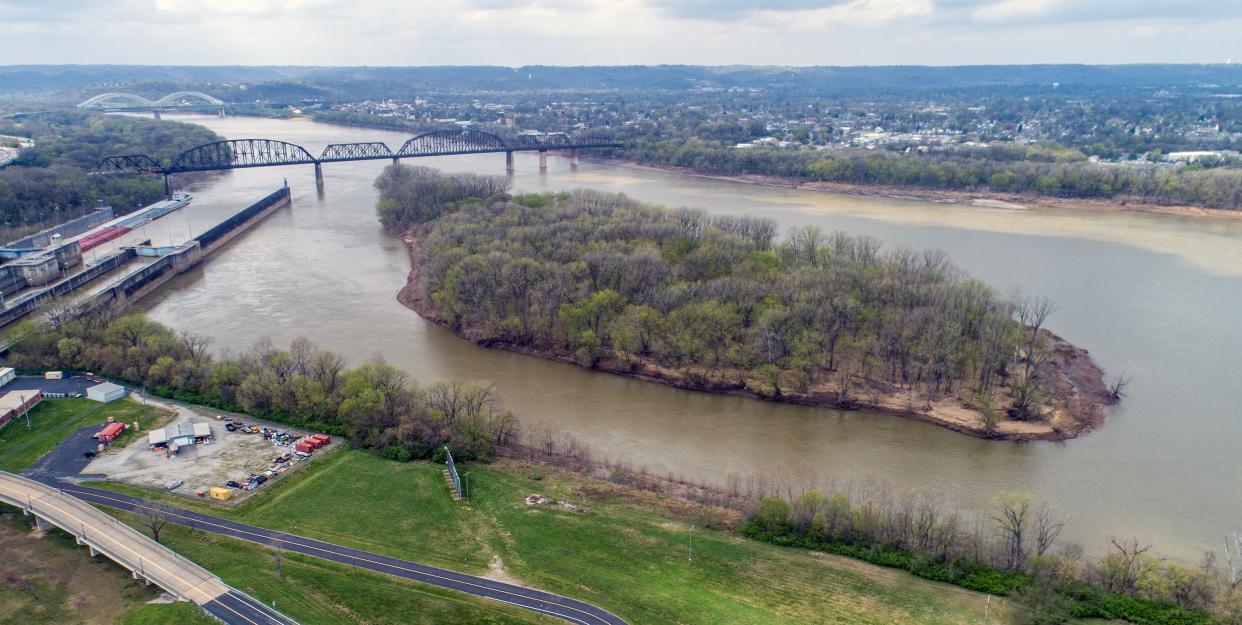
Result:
pixel 67 458
pixel 570 610
pixel 134 550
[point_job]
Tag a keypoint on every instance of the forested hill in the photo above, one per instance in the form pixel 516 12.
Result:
pixel 70 144
pixel 383 82
pixel 718 303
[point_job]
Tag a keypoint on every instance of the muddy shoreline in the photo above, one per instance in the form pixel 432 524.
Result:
pixel 983 199
pixel 1077 385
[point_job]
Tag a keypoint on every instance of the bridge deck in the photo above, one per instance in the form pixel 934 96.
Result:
pixel 246 153
pixel 136 552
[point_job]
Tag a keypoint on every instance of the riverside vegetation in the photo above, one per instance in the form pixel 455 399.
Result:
pixel 1011 550
pixel 375 404
pixel 68 145
pixel 716 303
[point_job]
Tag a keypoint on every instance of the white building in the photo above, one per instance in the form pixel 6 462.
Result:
pixel 6 375
pixel 105 392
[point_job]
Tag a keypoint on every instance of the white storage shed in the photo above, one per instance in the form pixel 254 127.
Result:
pixel 105 392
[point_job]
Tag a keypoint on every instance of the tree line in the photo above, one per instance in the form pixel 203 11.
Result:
pixel 68 145
pixel 981 170
pixel 1014 548
pixel 377 406
pixel 717 299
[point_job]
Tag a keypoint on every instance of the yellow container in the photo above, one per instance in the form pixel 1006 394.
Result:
pixel 222 494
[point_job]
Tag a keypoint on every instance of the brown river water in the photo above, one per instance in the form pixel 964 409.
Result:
pixel 1157 296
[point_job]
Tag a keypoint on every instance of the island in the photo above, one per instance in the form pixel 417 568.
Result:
pixel 719 304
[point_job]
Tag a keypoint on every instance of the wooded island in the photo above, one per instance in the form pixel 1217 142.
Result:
pixel 718 303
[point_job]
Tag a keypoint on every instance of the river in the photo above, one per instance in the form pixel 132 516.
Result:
pixel 1156 296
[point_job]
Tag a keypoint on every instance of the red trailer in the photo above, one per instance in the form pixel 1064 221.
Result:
pixel 305 447
pixel 321 439
pixel 110 432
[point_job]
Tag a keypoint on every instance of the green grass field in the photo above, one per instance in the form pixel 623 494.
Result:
pixel 54 419
pixel 313 590
pixel 628 555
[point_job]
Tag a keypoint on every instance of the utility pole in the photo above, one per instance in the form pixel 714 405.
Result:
pixel 25 412
pixel 691 558
pixel 465 485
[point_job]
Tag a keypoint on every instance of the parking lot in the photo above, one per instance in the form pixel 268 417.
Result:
pixel 248 460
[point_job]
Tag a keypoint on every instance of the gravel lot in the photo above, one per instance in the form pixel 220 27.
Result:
pixel 230 456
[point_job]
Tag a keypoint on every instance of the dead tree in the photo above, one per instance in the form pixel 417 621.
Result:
pixel 154 518
pixel 1048 528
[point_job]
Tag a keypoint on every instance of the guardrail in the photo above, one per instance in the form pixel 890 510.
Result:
pixel 102 533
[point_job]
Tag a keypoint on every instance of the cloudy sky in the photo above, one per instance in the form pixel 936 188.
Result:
pixel 611 32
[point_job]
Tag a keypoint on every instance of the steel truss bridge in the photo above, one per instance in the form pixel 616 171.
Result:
pixel 244 153
pixel 129 102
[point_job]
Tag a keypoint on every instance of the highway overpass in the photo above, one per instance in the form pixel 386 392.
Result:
pixel 145 558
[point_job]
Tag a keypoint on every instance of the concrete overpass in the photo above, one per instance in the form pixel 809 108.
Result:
pixel 145 558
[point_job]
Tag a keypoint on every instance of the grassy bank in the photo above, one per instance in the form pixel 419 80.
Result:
pixel 54 419
pixel 629 554
pixel 312 590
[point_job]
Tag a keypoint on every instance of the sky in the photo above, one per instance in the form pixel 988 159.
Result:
pixel 618 32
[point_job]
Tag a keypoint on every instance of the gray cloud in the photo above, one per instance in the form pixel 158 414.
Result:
pixel 734 9
pixel 518 32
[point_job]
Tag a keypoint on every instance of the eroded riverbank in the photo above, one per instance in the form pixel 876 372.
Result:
pixel 1075 383
pixel 982 199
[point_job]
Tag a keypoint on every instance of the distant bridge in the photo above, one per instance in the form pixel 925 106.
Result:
pixel 119 101
pixel 245 153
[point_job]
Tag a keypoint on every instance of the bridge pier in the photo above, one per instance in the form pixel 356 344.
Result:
pixel 543 161
pixel 157 114
pixel 396 161
pixel 42 525
pixel 573 158
pixel 509 163
pixel 221 112
pixel 319 177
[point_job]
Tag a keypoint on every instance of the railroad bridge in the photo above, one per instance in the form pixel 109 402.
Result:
pixel 245 153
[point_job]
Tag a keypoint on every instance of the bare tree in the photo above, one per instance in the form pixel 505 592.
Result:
pixel 1012 515
pixel 195 345
pixel 1118 388
pixel 57 310
pixel 154 517
pixel 1048 528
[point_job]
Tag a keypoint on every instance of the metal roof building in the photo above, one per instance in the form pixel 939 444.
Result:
pixel 183 435
pixel 105 392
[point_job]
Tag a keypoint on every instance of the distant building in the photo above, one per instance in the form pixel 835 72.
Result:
pixel 6 375
pixel 105 392
pixel 1192 156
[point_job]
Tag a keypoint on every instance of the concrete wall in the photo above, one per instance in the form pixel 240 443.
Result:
pixel 70 228
pixel 140 282
pixel 227 230
pixel 108 263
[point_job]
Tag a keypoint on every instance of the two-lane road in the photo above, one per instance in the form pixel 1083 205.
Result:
pixel 570 610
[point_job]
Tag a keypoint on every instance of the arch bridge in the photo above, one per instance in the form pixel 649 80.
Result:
pixel 245 153
pixel 179 100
